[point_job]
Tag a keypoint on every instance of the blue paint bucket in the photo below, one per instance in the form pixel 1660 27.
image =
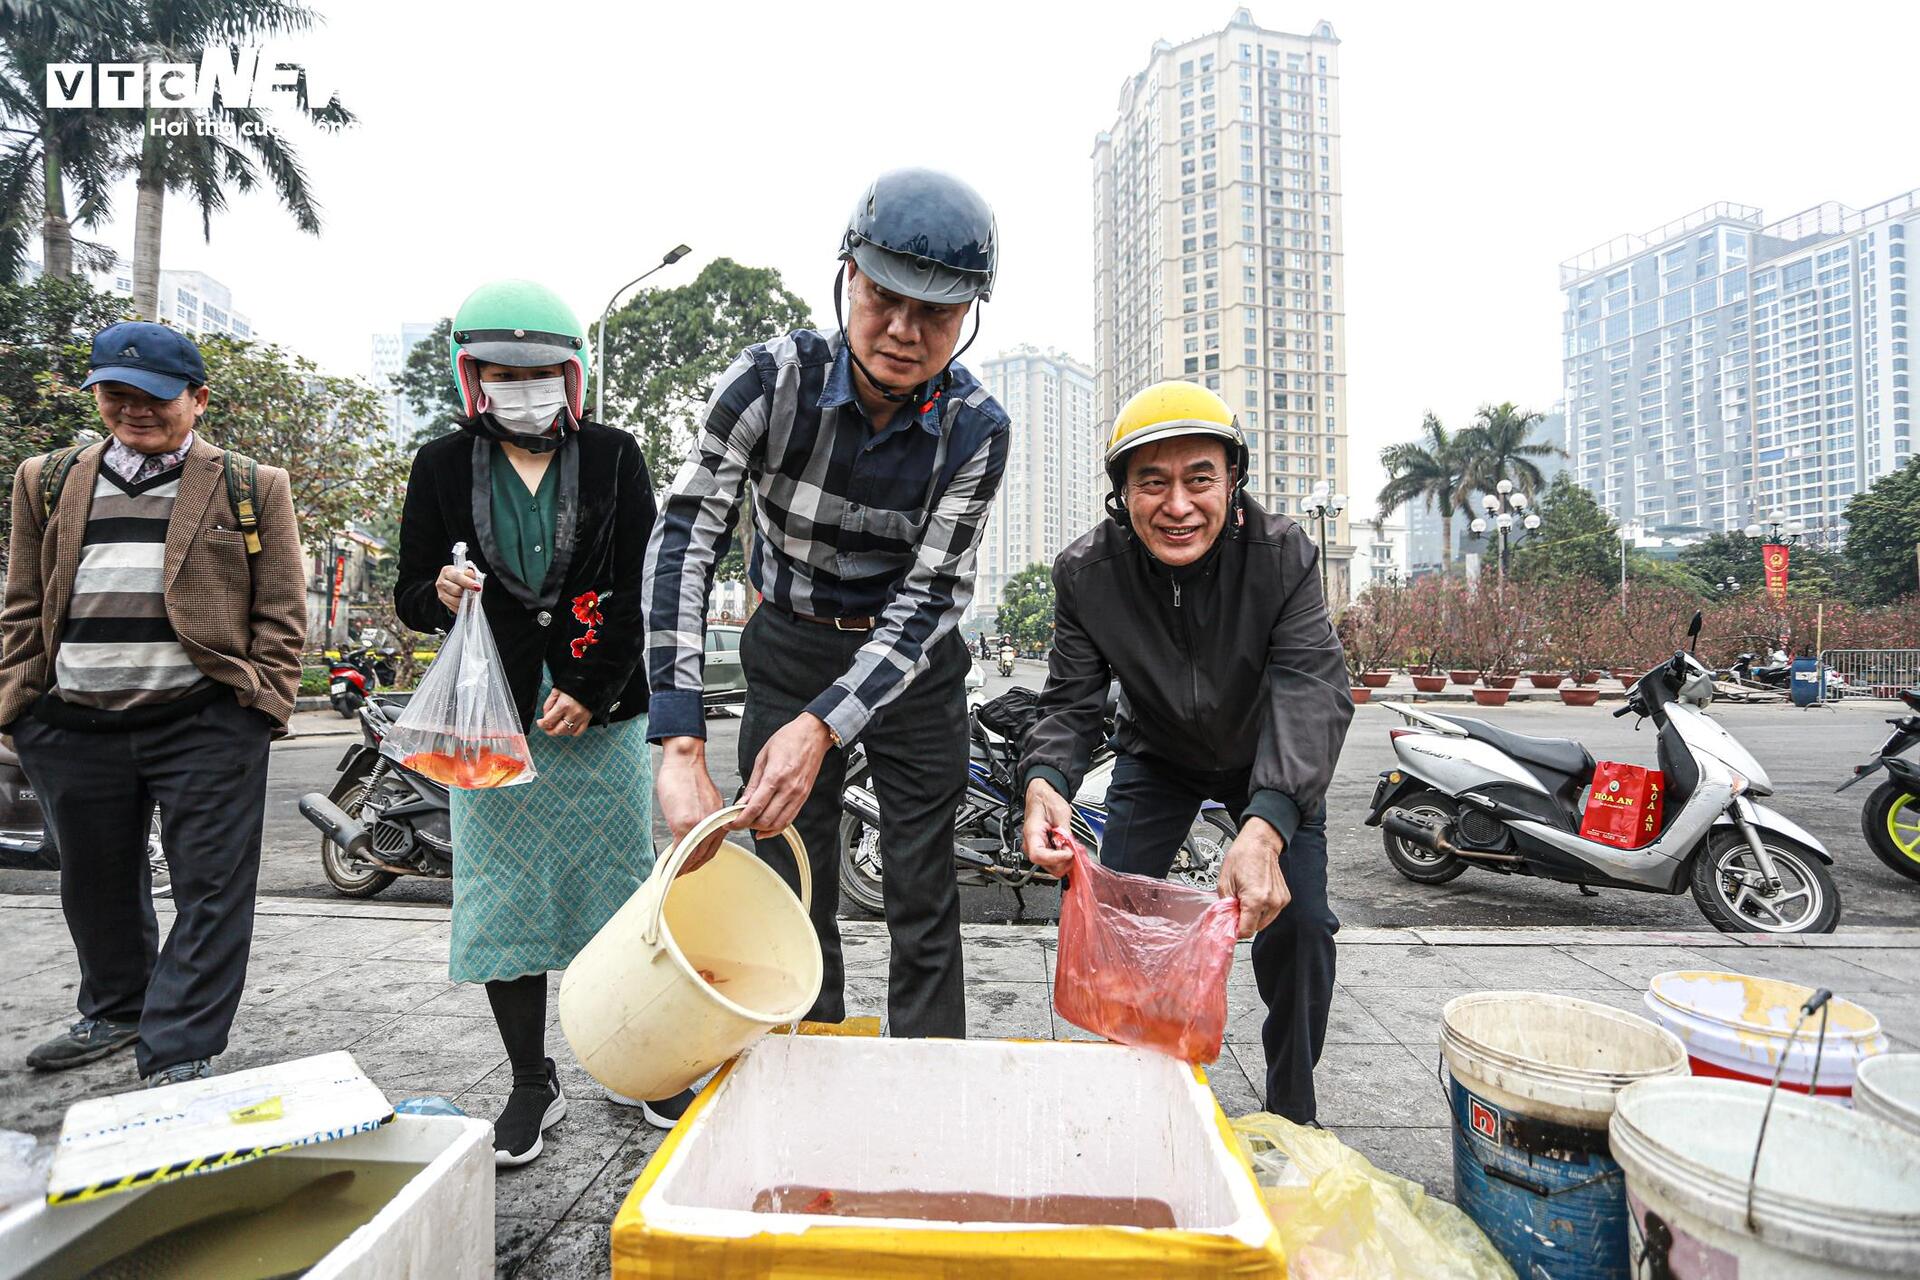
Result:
pixel 1531 1079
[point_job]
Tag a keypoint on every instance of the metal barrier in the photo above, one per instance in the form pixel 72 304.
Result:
pixel 1876 673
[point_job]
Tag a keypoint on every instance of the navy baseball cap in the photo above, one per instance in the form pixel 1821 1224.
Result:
pixel 160 361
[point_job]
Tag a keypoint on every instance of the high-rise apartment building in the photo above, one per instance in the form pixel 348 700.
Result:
pixel 390 352
pixel 1723 368
pixel 1218 248
pixel 189 300
pixel 1054 484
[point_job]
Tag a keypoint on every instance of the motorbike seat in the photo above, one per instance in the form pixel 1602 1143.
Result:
pixel 1561 755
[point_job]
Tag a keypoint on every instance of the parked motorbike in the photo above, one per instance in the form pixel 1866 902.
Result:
pixel 27 845
pixel 355 674
pixel 381 820
pixel 987 830
pixel 1468 793
pixel 1890 820
pixel 1775 673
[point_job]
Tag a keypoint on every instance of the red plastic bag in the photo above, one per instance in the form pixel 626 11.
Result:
pixel 1142 961
pixel 1625 805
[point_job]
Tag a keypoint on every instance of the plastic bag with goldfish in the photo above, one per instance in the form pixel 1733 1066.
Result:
pixel 461 729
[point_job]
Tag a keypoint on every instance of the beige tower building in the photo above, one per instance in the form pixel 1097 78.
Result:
pixel 1218 252
pixel 1052 490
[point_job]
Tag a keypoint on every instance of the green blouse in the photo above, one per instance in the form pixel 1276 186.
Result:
pixel 523 522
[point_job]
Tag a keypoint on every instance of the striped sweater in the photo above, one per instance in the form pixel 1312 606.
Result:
pixel 118 652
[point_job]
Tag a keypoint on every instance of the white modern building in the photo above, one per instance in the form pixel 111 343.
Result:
pixel 1722 367
pixel 1218 248
pixel 189 300
pixel 1379 552
pixel 1054 484
pixel 390 352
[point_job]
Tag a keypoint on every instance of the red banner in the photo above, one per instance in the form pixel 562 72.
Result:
pixel 339 579
pixel 1774 557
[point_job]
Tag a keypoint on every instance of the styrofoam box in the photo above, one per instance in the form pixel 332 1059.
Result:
pixel 439 1223
pixel 1000 1117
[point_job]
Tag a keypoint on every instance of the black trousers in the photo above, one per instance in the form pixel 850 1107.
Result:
pixel 917 749
pixel 208 772
pixel 1151 806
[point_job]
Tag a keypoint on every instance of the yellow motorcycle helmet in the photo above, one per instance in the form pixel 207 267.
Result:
pixel 1161 412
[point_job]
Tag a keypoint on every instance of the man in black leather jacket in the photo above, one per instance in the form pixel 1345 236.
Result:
pixel 1209 612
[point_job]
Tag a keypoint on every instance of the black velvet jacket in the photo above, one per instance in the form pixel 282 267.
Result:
pixel 603 518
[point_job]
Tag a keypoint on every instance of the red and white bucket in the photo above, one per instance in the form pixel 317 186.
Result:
pixel 1739 1028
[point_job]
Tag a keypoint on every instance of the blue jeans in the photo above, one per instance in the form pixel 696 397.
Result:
pixel 1151 805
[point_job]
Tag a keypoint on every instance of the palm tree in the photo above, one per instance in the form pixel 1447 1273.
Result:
pixel 1500 446
pixel 45 152
pixel 221 145
pixel 1431 471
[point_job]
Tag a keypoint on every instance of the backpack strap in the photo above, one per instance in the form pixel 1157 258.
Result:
pixel 53 477
pixel 243 481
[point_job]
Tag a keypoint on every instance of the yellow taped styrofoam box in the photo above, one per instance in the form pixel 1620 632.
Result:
pixel 755 1180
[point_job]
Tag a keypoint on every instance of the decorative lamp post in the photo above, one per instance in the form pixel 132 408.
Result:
pixel 672 256
pixel 1505 508
pixel 1323 505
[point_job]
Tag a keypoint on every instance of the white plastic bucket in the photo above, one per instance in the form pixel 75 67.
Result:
pixel 1739 1027
pixel 1837 1194
pixel 1534 1077
pixel 1888 1088
pixel 634 1005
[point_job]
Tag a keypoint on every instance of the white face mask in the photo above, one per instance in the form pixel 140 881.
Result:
pixel 525 408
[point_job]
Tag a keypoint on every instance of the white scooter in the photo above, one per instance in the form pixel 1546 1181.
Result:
pixel 1467 792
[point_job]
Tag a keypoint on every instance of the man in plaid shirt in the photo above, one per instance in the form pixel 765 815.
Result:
pixel 874 460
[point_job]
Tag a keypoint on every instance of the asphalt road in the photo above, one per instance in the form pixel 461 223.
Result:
pixel 1806 752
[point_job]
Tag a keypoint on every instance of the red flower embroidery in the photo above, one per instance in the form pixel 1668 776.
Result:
pixel 586 608
pixel 585 642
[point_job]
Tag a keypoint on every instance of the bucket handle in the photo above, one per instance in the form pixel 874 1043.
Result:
pixel 669 869
pixel 1818 1001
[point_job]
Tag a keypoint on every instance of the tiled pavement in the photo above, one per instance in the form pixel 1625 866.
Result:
pixel 373 979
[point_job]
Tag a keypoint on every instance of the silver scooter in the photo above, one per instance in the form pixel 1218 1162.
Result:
pixel 1468 793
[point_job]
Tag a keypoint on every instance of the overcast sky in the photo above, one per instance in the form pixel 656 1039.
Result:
pixel 1484 144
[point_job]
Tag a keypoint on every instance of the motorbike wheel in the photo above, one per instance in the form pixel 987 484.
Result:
pixel 860 865
pixel 1197 865
pixel 346 876
pixel 1808 901
pixel 347 704
pixel 1891 823
pixel 1423 866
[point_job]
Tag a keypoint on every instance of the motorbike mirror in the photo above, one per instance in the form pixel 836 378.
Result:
pixel 1693 633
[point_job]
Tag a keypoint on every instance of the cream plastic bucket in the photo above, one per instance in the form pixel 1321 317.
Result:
pixel 1888 1088
pixel 633 1004
pixel 1740 1027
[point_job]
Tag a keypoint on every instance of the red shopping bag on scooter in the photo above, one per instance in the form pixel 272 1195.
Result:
pixel 1142 961
pixel 1625 805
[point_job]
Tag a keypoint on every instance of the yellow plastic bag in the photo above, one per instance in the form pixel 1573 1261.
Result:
pixel 1339 1218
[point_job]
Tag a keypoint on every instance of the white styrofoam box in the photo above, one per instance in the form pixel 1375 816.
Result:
pixel 439 1223
pixel 999 1117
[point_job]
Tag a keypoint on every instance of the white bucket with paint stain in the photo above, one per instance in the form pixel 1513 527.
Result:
pixel 1888 1088
pixel 1739 1027
pixel 1836 1195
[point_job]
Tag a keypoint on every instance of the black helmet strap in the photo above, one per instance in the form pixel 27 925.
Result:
pixel 924 394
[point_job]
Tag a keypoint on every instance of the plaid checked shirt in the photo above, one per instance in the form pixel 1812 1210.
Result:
pixel 850 522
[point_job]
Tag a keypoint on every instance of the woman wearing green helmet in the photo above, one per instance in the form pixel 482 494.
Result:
pixel 555 511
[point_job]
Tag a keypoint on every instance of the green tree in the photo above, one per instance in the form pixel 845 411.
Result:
pixel 219 146
pixel 1500 446
pixel 1026 608
pixel 426 380
pixel 328 432
pixel 667 347
pixel 1883 536
pixel 1576 539
pixel 1431 471
pixel 46 335
pixel 1647 570
pixel 46 151
pixel 1811 570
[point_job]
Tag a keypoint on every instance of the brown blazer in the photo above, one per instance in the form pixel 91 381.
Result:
pixel 243 621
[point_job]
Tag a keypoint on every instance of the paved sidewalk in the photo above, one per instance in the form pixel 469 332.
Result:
pixel 372 979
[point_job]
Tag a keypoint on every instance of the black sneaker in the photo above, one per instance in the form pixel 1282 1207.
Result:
pixel 180 1073
pixel 666 1112
pixel 531 1111
pixel 87 1040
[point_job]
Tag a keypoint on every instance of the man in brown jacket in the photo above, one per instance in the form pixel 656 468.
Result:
pixel 149 651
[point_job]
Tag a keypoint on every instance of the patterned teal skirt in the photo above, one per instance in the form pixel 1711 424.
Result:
pixel 538 868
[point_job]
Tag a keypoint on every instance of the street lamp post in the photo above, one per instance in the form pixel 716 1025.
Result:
pixel 672 256
pixel 1503 520
pixel 1322 505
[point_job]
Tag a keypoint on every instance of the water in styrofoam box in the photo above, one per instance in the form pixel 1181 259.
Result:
pixel 979 1122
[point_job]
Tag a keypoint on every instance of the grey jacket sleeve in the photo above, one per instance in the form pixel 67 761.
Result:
pixel 1072 701
pixel 1309 700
